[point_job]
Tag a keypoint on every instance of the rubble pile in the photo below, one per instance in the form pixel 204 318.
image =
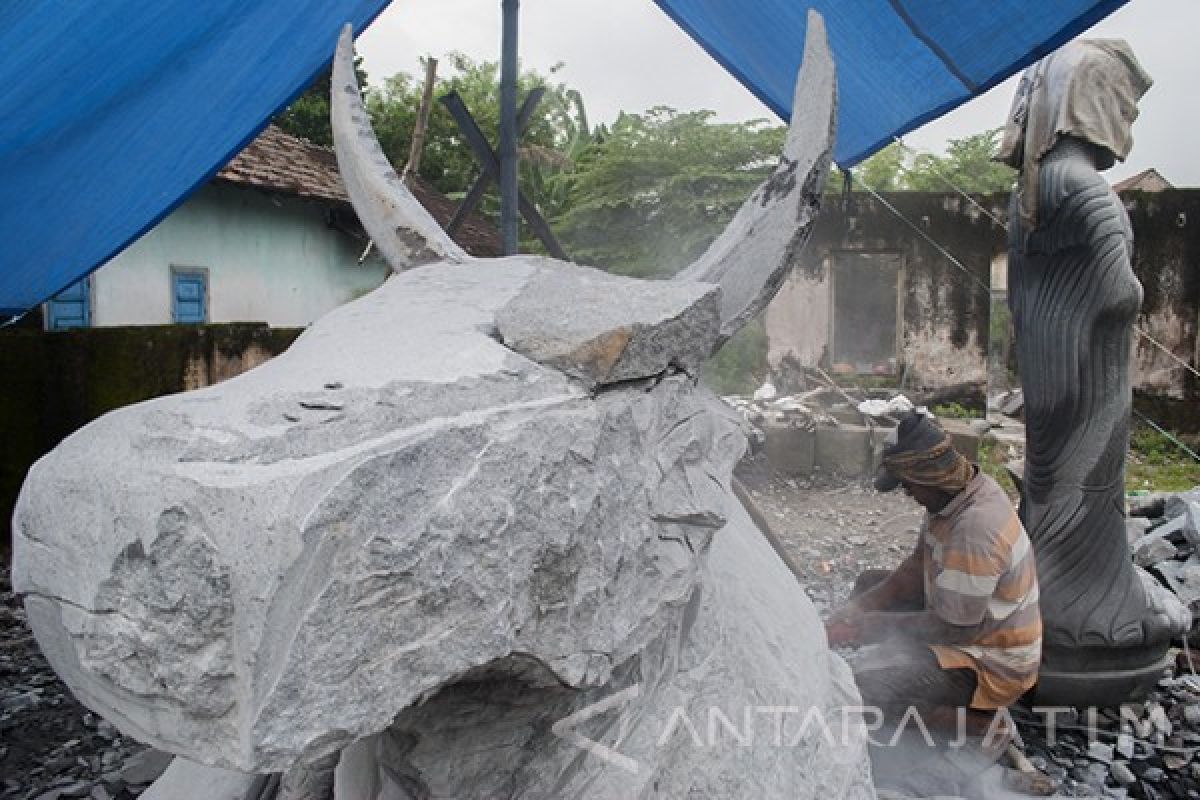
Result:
pixel 1143 750
pixel 1164 537
pixel 831 431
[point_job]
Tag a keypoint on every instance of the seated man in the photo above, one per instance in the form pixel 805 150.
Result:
pixel 960 615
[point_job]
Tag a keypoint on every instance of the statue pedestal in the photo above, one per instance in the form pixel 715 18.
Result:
pixel 1101 677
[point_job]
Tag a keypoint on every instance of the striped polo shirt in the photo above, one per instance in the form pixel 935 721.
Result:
pixel 979 571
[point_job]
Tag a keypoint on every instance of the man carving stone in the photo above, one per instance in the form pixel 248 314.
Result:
pixel 958 621
pixel 1074 298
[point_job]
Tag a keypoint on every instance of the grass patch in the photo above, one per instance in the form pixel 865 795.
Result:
pixel 1157 464
pixel 955 411
pixel 991 460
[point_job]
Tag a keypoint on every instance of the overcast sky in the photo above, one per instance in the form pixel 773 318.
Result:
pixel 627 55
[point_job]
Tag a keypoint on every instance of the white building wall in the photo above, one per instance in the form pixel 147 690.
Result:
pixel 268 258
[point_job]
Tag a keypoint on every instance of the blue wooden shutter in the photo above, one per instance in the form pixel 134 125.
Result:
pixel 71 308
pixel 190 306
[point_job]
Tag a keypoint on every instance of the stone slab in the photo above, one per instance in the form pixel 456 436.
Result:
pixel 1151 550
pixel 185 780
pixel 604 329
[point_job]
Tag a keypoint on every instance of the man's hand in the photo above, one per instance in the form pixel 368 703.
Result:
pixel 841 634
pixel 844 626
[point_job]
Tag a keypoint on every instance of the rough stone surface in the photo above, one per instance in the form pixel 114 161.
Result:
pixel 400 516
pixel 604 329
pixel 184 780
pixel 1186 507
pixel 753 255
pixel 1151 550
pixel 405 233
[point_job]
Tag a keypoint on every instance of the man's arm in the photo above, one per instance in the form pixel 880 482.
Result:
pixel 925 627
pixel 904 587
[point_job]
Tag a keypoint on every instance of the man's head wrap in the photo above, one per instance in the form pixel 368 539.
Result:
pixel 923 454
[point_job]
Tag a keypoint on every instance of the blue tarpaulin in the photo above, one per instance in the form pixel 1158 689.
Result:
pixel 900 63
pixel 113 111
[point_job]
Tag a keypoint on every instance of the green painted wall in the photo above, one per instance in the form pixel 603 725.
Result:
pixel 58 382
pixel 269 258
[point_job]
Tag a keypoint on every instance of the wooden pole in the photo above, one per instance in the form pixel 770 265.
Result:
pixel 413 166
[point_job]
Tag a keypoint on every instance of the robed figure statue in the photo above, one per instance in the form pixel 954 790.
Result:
pixel 1074 299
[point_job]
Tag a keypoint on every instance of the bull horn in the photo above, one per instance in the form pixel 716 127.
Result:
pixel 401 228
pixel 752 256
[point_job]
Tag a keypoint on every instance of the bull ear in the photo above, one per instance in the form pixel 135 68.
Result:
pixel 751 258
pixel 401 228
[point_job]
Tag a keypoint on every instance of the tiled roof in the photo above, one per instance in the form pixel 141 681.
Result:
pixel 1148 180
pixel 279 162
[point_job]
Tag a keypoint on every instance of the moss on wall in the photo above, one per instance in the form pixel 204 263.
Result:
pixel 947 312
pixel 55 383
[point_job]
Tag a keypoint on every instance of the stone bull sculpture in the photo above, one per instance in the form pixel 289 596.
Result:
pixel 471 536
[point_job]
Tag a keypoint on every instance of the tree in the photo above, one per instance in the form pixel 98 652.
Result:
pixel 966 165
pixel 650 196
pixel 447 161
pixel 884 171
pixel 557 135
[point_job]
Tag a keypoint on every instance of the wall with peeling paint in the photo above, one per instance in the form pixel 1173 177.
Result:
pixel 952 251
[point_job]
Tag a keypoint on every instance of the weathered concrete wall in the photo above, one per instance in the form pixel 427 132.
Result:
pixel 269 259
pixel 946 314
pixel 944 308
pixel 1166 258
pixel 57 382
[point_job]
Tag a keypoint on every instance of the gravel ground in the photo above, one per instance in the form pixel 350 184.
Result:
pixel 833 528
pixel 51 746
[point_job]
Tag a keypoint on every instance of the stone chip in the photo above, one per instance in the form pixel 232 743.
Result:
pixel 604 329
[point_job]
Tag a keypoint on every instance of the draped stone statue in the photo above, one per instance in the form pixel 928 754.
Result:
pixel 1074 298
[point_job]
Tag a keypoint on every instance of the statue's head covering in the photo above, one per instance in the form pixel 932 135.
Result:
pixel 919 451
pixel 1088 89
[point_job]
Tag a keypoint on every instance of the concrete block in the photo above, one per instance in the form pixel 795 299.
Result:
pixel 966 439
pixel 790 450
pixel 846 449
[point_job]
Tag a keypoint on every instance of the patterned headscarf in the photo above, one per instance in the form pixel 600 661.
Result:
pixel 923 454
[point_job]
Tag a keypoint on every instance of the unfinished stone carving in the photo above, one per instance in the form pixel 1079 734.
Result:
pixel 466 538
pixel 1074 299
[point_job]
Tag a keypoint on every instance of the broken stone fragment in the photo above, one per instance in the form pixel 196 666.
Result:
pixel 1135 529
pixel 604 329
pixel 1151 550
pixel 1185 507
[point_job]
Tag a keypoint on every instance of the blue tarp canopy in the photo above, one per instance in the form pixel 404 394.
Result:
pixel 900 63
pixel 113 111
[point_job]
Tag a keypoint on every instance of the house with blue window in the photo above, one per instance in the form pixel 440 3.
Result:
pixel 272 238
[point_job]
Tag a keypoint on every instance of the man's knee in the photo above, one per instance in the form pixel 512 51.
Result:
pixel 869 579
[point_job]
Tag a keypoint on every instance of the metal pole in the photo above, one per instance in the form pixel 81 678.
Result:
pixel 508 127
